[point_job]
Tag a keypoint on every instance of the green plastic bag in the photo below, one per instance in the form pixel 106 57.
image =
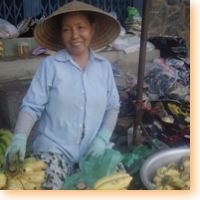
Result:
pixel 138 153
pixel 132 11
pixel 94 169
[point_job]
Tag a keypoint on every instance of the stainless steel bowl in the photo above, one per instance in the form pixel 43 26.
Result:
pixel 150 166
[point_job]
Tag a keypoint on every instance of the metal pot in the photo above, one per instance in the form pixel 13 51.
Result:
pixel 162 158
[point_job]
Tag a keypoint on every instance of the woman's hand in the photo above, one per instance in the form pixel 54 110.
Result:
pixel 98 145
pixel 17 146
pixel 96 148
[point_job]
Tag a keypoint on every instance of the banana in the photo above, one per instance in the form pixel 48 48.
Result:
pixel 38 185
pixel 158 181
pixel 185 176
pixel 2 180
pixel 186 163
pixel 26 161
pixel 109 178
pixel 37 173
pixel 6 140
pixel 186 158
pixel 26 170
pixel 161 170
pixel 1 159
pixel 35 178
pixel 6 132
pixel 171 172
pixel 3 147
pixel 168 187
pixel 115 184
pixel 1 49
pixel 159 187
pixel 171 165
pixel 1 43
pixel 1 151
pixel 176 182
pixel 14 184
pixel 27 185
pixel 187 185
pixel 36 166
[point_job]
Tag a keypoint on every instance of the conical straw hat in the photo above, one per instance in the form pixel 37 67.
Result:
pixel 47 33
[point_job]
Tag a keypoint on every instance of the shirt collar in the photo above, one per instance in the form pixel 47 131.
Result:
pixel 63 56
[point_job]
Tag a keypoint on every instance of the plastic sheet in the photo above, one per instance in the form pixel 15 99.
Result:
pixel 136 154
pixel 94 169
pixel 7 30
pixel 170 46
pixel 183 69
pixel 159 77
pixel 130 43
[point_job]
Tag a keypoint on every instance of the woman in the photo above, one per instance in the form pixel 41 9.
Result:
pixel 73 93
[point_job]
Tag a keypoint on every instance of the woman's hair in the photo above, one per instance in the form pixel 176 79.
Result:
pixel 89 15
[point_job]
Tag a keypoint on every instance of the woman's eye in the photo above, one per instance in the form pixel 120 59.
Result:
pixel 66 29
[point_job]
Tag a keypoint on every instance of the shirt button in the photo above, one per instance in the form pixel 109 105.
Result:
pixel 81 108
pixel 80 125
pixel 82 91
pixel 77 142
pixel 84 75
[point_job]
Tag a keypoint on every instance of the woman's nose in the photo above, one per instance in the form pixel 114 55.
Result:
pixel 75 33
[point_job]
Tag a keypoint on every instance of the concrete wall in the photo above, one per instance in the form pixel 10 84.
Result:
pixel 21 68
pixel 170 17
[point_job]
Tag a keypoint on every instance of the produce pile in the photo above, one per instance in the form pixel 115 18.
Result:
pixel 28 175
pixel 173 176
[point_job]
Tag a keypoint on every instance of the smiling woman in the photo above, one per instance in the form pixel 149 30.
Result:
pixel 73 93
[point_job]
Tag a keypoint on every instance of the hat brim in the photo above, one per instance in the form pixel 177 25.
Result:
pixel 47 33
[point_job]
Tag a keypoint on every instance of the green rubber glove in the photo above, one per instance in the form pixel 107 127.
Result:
pixel 98 145
pixel 17 146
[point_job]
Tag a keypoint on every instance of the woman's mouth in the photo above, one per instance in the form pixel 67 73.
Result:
pixel 76 44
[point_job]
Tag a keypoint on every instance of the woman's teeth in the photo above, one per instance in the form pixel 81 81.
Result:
pixel 76 44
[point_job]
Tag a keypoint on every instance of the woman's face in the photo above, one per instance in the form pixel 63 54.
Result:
pixel 77 32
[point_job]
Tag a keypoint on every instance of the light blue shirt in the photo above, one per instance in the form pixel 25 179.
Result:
pixel 68 101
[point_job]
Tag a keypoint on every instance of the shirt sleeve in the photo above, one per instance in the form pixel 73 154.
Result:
pixel 110 119
pixel 112 93
pixel 38 93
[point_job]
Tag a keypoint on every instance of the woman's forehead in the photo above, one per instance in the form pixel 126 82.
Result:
pixel 74 15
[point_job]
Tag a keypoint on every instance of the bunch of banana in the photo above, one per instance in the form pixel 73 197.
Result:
pixel 116 181
pixel 28 177
pixel 1 48
pixel 5 140
pixel 173 176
